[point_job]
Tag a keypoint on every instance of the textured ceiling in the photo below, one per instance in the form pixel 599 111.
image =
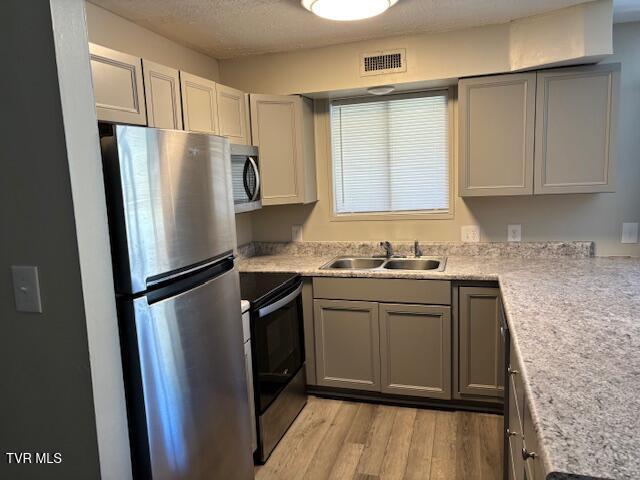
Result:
pixel 231 28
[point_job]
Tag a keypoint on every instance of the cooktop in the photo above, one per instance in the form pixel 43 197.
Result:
pixel 260 288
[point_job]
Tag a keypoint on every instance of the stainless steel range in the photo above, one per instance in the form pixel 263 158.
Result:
pixel 277 348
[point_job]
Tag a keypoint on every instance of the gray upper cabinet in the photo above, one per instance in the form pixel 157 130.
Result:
pixel 162 95
pixel 233 114
pixel 117 86
pixel 347 344
pixel 282 127
pixel 496 130
pixel 415 350
pixel 480 356
pixel 199 104
pixel 551 131
pixel 575 129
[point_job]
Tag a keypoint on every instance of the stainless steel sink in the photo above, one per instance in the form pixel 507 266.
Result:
pixel 413 264
pixel 372 263
pixel 354 263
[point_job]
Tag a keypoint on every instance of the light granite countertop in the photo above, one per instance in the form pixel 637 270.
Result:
pixel 575 324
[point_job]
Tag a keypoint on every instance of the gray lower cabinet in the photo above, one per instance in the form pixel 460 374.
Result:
pixel 347 344
pixel 480 364
pixel 514 433
pixel 309 334
pixel 415 350
pixel 523 455
pixel 534 470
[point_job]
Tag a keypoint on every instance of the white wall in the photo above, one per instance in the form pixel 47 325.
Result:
pixel 570 35
pixel 110 30
pixel 90 213
pixel 596 217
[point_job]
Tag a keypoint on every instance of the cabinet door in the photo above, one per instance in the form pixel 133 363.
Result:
pixel 276 128
pixel 199 104
pixel 575 129
pixel 347 344
pixel 480 351
pixel 162 95
pixel 117 86
pixel 496 128
pixel 415 350
pixel 232 114
pixel 309 334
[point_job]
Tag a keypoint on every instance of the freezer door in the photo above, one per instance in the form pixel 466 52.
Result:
pixel 170 201
pixel 192 372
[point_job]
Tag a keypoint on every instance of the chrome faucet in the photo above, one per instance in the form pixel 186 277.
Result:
pixel 417 251
pixel 388 249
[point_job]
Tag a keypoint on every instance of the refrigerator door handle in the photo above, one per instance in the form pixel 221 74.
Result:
pixel 153 281
pixel 263 312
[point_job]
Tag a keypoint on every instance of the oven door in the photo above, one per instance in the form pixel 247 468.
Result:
pixel 278 345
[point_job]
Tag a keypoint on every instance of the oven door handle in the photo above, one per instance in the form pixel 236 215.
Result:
pixel 263 312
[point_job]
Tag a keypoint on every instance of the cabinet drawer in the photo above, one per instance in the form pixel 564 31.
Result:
pixel 533 464
pixel 516 464
pixel 393 290
pixel 516 388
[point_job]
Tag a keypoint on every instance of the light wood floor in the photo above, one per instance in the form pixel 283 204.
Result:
pixel 343 440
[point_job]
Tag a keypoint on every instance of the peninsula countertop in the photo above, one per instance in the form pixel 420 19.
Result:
pixel 575 325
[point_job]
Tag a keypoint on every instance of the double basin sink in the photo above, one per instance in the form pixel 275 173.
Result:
pixel 373 263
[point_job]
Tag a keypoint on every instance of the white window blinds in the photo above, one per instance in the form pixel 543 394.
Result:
pixel 391 154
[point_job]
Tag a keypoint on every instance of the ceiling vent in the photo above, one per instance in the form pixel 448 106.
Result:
pixel 378 63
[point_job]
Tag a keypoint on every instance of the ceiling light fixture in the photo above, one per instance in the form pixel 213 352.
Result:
pixel 345 10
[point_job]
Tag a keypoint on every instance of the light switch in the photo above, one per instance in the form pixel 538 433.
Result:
pixel 514 233
pixel 470 233
pixel 629 233
pixel 26 289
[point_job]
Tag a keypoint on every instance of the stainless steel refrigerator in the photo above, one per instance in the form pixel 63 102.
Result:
pixel 172 226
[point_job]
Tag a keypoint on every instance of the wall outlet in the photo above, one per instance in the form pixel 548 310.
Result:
pixel 26 289
pixel 296 233
pixel 629 233
pixel 514 233
pixel 470 233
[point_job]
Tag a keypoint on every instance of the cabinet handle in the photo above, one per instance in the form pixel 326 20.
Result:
pixel 512 371
pixel 510 433
pixel 527 455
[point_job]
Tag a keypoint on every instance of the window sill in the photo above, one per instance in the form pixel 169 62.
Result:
pixel 357 217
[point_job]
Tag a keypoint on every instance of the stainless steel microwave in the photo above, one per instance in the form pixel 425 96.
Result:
pixel 245 171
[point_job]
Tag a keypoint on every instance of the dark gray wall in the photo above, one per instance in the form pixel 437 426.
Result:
pixel 46 402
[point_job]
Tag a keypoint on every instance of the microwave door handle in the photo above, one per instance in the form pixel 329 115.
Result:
pixel 245 182
pixel 254 165
pixel 263 312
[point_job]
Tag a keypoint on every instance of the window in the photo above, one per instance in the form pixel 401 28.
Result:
pixel 391 154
